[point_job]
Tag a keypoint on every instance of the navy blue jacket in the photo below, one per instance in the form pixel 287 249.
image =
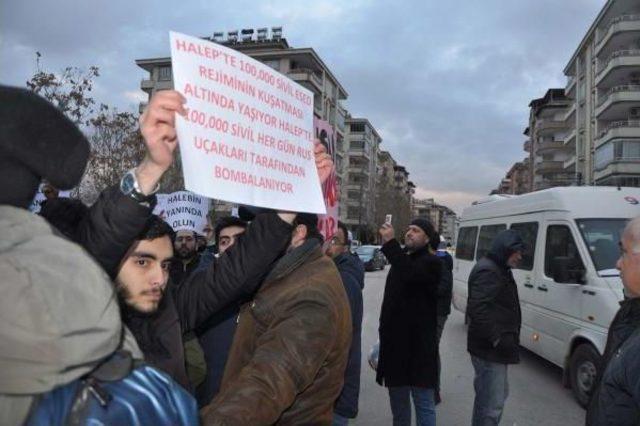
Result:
pixel 351 271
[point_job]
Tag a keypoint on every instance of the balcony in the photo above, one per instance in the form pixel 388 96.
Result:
pixel 618 167
pixel 571 84
pixel 617 101
pixel 620 26
pixel 359 152
pixel 619 129
pixel 358 170
pixel 618 66
pixel 549 126
pixel 570 164
pixel 549 146
pixel 306 75
pixel 549 167
pixel 570 139
pixel 570 115
pixel 147 84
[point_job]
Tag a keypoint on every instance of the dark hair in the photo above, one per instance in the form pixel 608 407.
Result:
pixel 65 214
pixel 342 226
pixel 156 228
pixel 435 241
pixel 227 221
pixel 310 220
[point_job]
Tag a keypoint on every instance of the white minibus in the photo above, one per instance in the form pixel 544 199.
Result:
pixel 568 283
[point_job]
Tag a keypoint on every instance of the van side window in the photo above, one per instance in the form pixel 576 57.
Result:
pixel 466 242
pixel 487 234
pixel 529 233
pixel 561 254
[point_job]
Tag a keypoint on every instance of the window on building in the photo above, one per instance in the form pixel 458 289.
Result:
pixel 561 249
pixel 466 242
pixel 528 231
pixel 487 234
pixel 604 155
pixel 357 127
pixel 164 73
pixel 353 195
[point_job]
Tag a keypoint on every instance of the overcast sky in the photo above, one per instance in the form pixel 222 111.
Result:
pixel 446 84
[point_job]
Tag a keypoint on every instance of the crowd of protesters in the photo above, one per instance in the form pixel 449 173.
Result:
pixel 255 321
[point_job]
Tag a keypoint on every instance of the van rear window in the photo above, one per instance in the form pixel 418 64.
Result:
pixel 466 242
pixel 487 234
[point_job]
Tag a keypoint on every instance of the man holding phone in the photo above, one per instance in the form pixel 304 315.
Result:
pixel 408 360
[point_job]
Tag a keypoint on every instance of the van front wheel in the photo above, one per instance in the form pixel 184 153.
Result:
pixel 583 369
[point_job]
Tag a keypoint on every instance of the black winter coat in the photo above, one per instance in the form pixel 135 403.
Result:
pixel 445 287
pixel 616 398
pixel 408 319
pixel 493 306
pixel 351 271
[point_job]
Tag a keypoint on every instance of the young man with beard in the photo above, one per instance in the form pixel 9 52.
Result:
pixel 351 271
pixel 289 353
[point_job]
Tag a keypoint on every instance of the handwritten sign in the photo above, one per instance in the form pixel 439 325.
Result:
pixel 183 210
pixel 248 134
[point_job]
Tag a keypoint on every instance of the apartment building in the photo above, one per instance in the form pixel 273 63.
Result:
pixel 603 82
pixel 549 156
pixel 362 144
pixel 517 180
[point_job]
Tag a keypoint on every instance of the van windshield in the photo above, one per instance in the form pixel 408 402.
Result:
pixel 602 236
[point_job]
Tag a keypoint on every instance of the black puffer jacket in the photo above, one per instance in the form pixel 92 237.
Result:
pixel 408 319
pixel 351 271
pixel 493 306
pixel 616 399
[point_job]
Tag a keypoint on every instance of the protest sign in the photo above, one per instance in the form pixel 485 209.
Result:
pixel 328 223
pixel 183 210
pixel 46 191
pixel 248 134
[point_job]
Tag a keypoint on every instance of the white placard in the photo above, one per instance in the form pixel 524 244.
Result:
pixel 36 204
pixel 248 134
pixel 183 210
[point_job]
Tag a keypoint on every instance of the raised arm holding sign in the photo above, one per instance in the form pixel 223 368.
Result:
pixel 247 135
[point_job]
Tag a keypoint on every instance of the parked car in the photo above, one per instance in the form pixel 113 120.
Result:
pixel 568 283
pixel 372 257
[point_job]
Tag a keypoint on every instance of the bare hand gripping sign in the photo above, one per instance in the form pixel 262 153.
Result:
pixel 248 133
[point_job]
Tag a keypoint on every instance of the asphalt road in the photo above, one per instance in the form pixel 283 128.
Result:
pixel 536 397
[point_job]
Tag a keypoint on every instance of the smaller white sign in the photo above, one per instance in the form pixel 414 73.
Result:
pixel 183 210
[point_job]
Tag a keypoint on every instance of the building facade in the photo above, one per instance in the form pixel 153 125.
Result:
pixel 603 83
pixel 548 128
pixel 362 144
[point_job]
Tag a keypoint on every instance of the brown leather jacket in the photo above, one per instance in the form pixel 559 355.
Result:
pixel 287 362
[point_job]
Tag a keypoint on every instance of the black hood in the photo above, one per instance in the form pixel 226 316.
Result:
pixel 504 245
